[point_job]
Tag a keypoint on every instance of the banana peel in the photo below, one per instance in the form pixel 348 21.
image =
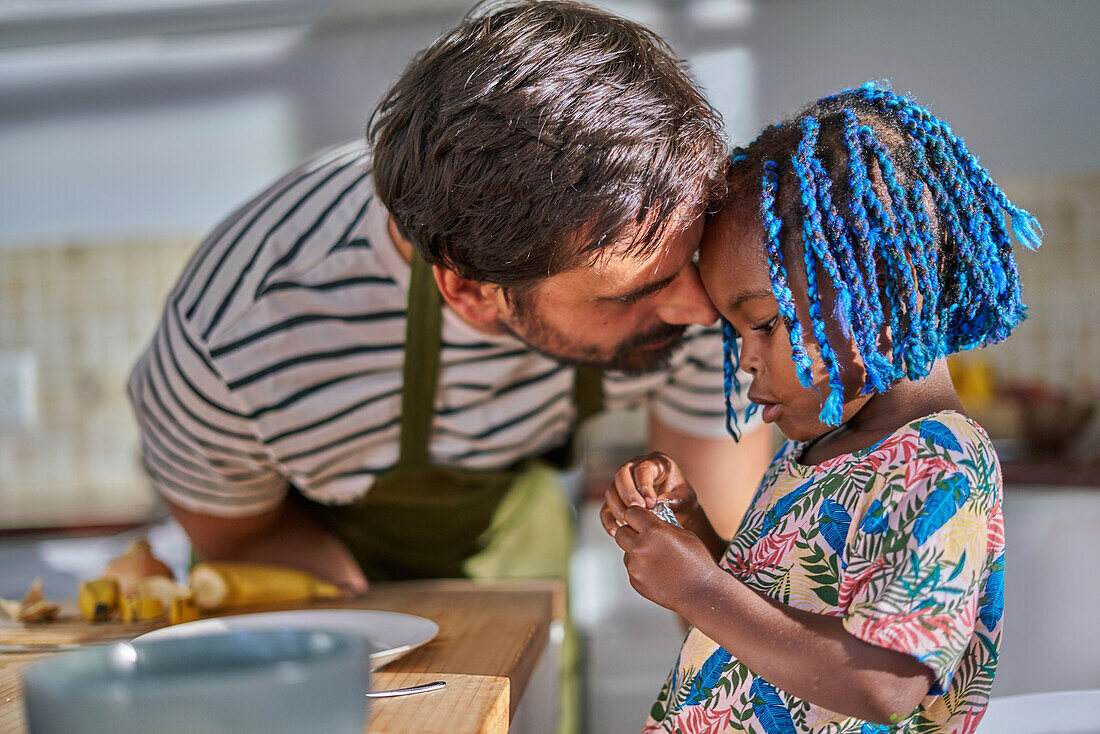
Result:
pixel 220 584
pixel 212 586
pixel 33 608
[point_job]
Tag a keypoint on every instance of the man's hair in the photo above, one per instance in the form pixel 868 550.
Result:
pixel 535 134
pixel 872 192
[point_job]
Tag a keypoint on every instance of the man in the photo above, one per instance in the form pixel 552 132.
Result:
pixel 543 169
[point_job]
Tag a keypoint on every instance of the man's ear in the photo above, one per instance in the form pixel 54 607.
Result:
pixel 475 301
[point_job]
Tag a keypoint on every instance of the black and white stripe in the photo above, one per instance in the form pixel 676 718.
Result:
pixel 278 361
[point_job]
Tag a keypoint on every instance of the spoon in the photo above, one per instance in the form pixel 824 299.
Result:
pixel 433 686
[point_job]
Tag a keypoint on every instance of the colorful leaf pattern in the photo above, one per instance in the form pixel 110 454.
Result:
pixel 769 708
pixel 904 541
pixel 993 596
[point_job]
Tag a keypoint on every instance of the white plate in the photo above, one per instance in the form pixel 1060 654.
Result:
pixel 391 634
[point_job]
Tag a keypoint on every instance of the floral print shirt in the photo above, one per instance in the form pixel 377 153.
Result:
pixel 904 541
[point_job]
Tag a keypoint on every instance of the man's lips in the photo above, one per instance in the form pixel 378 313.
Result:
pixel 663 341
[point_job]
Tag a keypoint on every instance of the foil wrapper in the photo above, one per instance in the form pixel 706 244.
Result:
pixel 665 512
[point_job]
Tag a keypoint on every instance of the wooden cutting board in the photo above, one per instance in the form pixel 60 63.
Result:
pixel 469 703
pixel 491 636
pixel 69 628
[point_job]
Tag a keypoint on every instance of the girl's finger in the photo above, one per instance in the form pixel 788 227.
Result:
pixel 627 490
pixel 614 503
pixel 640 519
pixel 675 495
pixel 650 473
pixel 612 512
pixel 626 537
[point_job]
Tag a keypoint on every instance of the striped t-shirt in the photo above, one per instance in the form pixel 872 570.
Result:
pixel 278 361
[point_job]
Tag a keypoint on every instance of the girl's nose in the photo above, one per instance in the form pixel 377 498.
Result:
pixel 748 355
pixel 750 359
pixel 685 301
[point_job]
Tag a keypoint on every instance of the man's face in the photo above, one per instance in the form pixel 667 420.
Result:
pixel 619 313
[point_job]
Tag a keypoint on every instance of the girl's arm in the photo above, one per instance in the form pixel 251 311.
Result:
pixel 808 655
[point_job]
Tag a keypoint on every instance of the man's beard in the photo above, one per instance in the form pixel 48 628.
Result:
pixel 634 356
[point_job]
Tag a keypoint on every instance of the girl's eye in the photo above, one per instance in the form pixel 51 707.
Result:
pixel 768 326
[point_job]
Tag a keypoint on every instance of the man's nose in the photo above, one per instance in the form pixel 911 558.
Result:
pixel 686 302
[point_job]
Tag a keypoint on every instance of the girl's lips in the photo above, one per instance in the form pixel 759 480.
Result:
pixel 769 412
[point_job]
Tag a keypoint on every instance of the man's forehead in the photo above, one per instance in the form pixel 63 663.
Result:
pixel 680 236
pixel 624 266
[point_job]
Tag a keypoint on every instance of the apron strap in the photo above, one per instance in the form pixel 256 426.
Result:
pixel 423 340
pixel 423 323
pixel 587 392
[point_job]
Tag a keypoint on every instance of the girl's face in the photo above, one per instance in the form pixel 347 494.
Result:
pixel 733 266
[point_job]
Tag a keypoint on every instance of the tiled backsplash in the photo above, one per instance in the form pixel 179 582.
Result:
pixel 82 312
pixel 1059 343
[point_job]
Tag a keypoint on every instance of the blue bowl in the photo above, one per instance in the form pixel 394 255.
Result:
pixel 244 682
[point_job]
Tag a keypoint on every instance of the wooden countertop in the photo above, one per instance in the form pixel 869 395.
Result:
pixel 491 635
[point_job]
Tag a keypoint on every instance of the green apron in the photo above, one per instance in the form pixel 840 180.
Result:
pixel 422 520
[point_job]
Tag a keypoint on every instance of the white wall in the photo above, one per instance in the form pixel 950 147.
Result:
pixel 1051 641
pixel 1019 80
pixel 166 135
pixel 163 136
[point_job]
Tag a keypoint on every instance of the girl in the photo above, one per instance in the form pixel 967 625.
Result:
pixel 861 244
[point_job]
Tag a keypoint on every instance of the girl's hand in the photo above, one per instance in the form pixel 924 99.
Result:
pixel 667 565
pixel 643 481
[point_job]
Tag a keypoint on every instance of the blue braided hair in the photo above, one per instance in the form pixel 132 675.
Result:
pixel 873 192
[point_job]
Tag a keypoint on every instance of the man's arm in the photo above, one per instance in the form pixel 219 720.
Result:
pixel 283 535
pixel 725 473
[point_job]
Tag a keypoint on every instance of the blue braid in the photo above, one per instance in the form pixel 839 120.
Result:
pixel 842 309
pixel 731 362
pixel 879 370
pixel 814 242
pixel 917 363
pixel 778 273
pixel 927 263
pixel 897 287
pixel 855 301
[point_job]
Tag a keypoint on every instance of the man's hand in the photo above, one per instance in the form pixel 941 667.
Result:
pixel 667 565
pixel 283 535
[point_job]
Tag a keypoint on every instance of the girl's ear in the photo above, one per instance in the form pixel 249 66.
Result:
pixel 479 303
